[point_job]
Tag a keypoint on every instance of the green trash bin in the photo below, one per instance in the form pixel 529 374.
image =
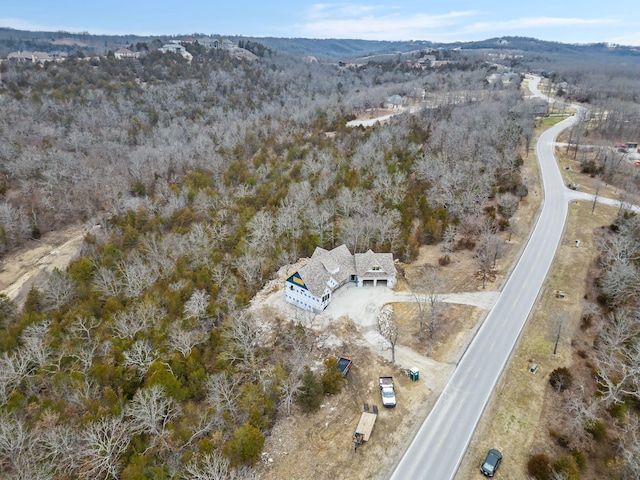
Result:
pixel 414 374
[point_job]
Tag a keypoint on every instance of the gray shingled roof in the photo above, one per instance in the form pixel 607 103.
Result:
pixel 365 262
pixel 340 264
pixel 324 264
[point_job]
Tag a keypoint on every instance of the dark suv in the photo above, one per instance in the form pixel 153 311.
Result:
pixel 491 463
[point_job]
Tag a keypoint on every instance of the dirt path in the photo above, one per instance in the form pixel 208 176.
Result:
pixel 28 266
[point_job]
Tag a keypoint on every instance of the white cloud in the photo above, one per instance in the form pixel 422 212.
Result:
pixel 375 22
pixel 19 24
pixel 631 39
pixel 541 22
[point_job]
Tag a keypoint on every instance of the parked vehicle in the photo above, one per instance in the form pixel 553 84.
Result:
pixel 491 463
pixel 344 365
pixel 365 426
pixel 388 392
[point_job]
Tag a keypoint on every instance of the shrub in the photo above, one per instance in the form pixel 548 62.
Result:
pixel 567 467
pixel 618 410
pixel 331 377
pixel 561 379
pixel 310 396
pixel 539 467
pixel 444 260
pixel 580 458
pixel 596 428
pixel 245 445
pixel 560 438
pixel 586 322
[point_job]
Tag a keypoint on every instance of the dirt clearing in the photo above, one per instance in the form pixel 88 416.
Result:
pixel 30 265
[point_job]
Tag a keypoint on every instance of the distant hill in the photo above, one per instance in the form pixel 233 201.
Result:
pixel 323 49
pixel 340 49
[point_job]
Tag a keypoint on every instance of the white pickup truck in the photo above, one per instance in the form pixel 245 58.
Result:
pixel 387 391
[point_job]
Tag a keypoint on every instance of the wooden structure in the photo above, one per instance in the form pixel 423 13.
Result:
pixel 365 426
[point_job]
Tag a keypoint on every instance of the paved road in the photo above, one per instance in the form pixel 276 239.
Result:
pixel 438 448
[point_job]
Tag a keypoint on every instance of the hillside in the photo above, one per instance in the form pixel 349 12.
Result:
pixel 323 49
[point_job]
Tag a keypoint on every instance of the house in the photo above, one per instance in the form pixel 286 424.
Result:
pixel 176 48
pixel 394 101
pixel 209 42
pixel 125 53
pixel 35 57
pixel 312 286
pixel 427 61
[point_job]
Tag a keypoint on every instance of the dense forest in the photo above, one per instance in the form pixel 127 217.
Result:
pixel 205 177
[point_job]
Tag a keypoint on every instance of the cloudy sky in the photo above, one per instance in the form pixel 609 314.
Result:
pixel 569 21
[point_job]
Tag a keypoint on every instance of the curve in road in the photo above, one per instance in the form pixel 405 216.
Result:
pixel 438 448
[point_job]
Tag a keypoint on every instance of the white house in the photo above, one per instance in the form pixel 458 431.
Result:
pixel 311 287
pixel 125 53
pixel 176 48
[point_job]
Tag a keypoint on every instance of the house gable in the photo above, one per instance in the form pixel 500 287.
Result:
pixel 297 280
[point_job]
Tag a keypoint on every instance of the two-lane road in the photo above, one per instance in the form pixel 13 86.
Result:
pixel 438 448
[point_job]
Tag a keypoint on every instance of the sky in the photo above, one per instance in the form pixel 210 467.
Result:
pixel 567 21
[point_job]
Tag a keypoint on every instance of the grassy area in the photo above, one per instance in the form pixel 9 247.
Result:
pixel 523 407
pixel 551 121
pixel 522 410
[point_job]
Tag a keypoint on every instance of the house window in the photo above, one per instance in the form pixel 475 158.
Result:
pixel 375 269
pixel 325 297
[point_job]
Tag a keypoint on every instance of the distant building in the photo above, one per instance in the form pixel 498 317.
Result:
pixel 209 42
pixel 176 48
pixel 394 101
pixel 35 57
pixel 125 53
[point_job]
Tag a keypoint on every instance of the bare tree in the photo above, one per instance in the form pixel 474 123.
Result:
pixel 85 342
pixel 140 355
pixel 214 466
pixel 579 412
pixel 388 328
pixel 107 282
pixel 59 445
pixel 487 251
pixel 138 318
pixel 289 388
pixel 104 443
pixel 14 439
pixel 14 368
pixel 250 266
pixel 196 306
pixel 241 332
pixel 223 393
pixel 184 340
pixel 428 298
pixel 617 359
pixel 151 411
pixel 136 275
pixel 448 241
pixel 60 289
pixel 507 204
pixel 629 448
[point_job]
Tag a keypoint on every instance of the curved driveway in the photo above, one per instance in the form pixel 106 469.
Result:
pixel 438 448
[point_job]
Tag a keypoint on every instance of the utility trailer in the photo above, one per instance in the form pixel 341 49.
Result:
pixel 365 426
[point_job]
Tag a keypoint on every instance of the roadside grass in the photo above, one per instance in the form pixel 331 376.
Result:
pixel 523 409
pixel 551 121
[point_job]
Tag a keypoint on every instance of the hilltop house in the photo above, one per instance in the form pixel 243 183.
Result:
pixel 175 47
pixel 125 53
pixel 311 287
pixel 35 57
